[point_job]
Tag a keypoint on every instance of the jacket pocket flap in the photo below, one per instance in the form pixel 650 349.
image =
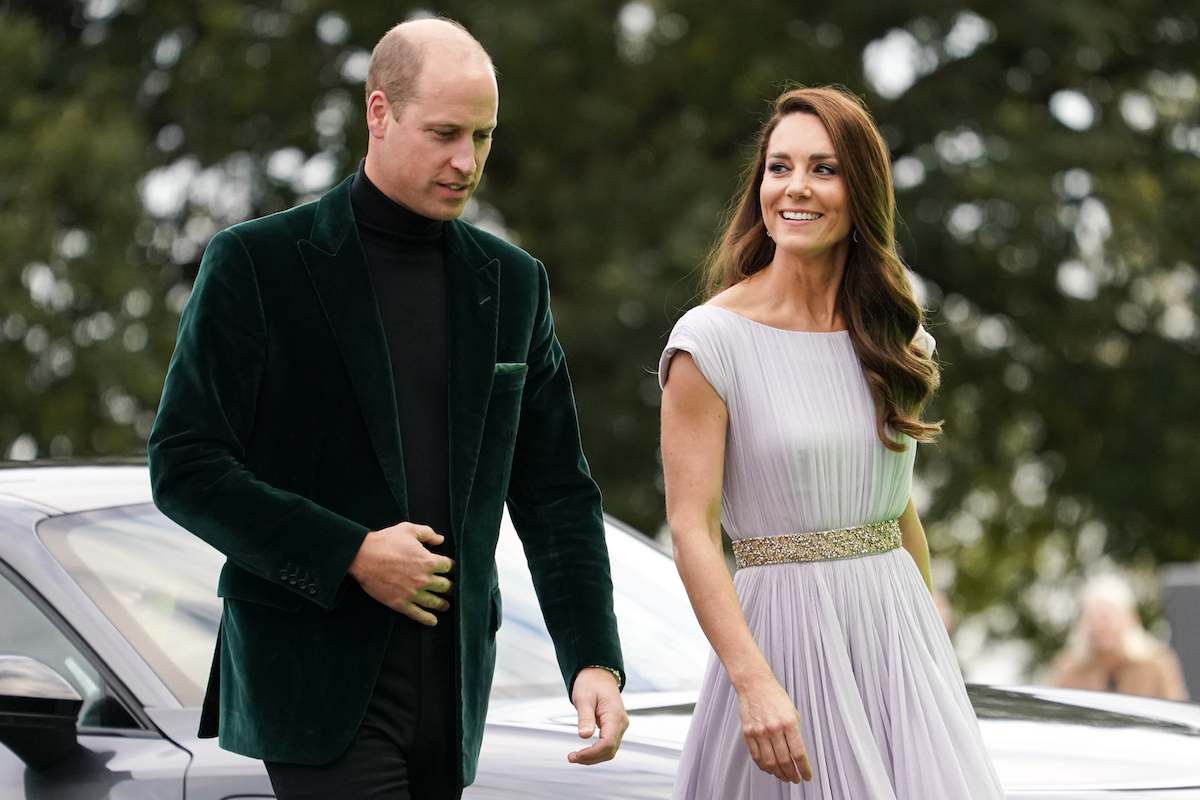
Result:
pixel 508 380
pixel 238 584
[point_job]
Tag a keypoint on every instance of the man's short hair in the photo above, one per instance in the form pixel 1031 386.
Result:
pixel 396 64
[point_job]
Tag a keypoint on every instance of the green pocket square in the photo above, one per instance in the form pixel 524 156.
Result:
pixel 509 366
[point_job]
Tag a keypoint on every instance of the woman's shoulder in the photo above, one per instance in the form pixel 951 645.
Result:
pixel 703 320
pixel 705 333
pixel 1161 656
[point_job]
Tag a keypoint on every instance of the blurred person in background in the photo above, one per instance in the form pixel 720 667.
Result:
pixel 1109 650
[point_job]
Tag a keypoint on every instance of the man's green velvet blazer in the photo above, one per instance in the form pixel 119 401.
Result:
pixel 277 441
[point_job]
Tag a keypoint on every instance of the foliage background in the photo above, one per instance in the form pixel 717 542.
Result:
pixel 1047 161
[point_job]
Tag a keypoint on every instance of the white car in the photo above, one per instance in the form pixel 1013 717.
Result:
pixel 108 614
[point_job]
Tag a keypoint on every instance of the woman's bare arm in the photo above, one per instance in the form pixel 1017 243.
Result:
pixel 694 424
pixel 912 536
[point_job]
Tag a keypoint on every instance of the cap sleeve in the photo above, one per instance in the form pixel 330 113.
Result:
pixel 697 334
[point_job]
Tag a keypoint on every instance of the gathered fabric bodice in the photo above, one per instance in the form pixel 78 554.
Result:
pixel 802 453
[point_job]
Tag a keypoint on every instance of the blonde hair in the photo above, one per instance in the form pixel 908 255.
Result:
pixel 1109 589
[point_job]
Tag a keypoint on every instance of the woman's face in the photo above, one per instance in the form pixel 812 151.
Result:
pixel 1106 623
pixel 803 194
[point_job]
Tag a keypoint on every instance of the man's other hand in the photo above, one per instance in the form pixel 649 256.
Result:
pixel 597 698
pixel 395 567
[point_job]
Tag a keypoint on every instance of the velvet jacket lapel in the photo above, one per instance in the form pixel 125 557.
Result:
pixel 473 309
pixel 334 257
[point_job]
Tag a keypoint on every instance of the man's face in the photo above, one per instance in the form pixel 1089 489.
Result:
pixel 431 159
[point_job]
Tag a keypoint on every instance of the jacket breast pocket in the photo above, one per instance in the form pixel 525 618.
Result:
pixel 509 377
pixel 238 584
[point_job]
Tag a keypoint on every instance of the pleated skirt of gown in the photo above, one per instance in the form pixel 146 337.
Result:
pixel 858 645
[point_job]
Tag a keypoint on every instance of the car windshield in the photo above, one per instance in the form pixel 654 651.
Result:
pixel 157 584
pixel 663 646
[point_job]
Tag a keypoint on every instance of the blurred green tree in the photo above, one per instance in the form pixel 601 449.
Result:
pixel 1046 158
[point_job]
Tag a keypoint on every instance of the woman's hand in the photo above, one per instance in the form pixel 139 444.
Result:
pixel 771 727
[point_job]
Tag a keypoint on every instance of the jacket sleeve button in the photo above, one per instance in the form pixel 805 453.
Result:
pixel 283 574
pixel 312 588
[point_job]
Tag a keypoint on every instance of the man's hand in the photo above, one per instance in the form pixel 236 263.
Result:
pixel 597 698
pixel 394 567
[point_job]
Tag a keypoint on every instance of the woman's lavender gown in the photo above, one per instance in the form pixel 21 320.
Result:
pixel 857 642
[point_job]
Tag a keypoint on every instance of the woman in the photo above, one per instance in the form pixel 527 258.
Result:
pixel 791 405
pixel 1109 650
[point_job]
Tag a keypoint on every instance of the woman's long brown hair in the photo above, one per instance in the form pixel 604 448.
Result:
pixel 875 298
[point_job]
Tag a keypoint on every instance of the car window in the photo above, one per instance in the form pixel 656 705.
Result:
pixel 663 646
pixel 153 580
pixel 157 583
pixel 27 631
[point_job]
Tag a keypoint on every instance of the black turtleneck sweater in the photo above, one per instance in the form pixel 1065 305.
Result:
pixel 408 270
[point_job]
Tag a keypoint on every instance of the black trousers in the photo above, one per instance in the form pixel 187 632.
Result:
pixel 407 747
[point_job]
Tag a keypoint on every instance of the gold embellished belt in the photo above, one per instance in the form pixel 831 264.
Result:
pixel 861 540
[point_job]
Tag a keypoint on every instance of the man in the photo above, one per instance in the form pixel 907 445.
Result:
pixel 359 385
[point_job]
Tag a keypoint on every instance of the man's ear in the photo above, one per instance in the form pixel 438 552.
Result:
pixel 379 114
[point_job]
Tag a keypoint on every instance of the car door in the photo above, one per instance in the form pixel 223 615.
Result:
pixel 120 753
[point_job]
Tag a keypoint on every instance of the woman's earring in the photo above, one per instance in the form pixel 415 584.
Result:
pixel 854 234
